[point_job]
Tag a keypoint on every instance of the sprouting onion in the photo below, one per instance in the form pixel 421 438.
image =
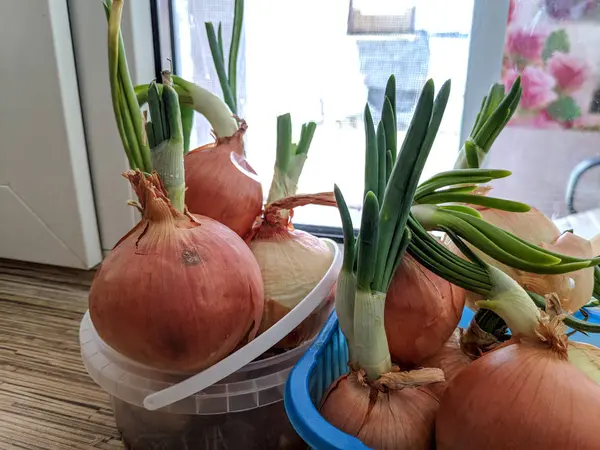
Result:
pixel 496 110
pixel 396 217
pixel 364 402
pixel 440 203
pixel 220 182
pixel 158 294
pixel 291 261
pixel 178 292
pixel 526 395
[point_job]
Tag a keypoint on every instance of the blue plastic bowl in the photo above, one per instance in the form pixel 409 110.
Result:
pixel 324 362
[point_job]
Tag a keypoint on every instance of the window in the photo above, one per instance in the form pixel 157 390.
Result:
pixel 381 17
pixel 323 61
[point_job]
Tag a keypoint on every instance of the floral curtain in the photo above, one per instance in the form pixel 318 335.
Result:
pixel 554 45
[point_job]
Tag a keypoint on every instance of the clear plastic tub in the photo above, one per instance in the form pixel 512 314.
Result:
pixel 243 412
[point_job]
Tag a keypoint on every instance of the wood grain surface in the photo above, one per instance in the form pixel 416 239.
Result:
pixel 47 400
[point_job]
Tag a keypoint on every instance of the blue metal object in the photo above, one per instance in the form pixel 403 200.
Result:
pixel 323 363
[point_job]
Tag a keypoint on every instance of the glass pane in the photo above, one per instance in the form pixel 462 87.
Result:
pixel 325 67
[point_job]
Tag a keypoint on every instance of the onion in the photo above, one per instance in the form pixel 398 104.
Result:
pixel 531 393
pixel 222 185
pixel 421 312
pixel 451 359
pixel 292 262
pixel 178 292
pixel 523 396
pixel 463 347
pixel 395 413
pixel 575 288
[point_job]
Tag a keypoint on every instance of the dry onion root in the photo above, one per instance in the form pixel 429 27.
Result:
pixel 222 185
pixel 178 292
pixel 529 395
pixel 292 262
pixel 397 411
pixel 422 309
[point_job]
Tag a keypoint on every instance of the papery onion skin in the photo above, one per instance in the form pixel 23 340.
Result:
pixel 586 358
pixel 451 359
pixel 395 420
pixel 520 397
pixel 463 347
pixel 292 263
pixel 222 185
pixel 421 312
pixel 178 292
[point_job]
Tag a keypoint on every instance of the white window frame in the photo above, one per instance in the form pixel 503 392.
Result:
pixel 104 146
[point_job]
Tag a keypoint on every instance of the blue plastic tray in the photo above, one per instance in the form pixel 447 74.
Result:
pixel 308 381
pixel 324 362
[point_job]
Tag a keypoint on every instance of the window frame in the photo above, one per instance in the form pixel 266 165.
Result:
pixel 354 28
pixel 147 44
pixel 486 43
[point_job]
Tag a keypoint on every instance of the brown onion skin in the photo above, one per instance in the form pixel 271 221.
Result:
pixel 421 312
pixel 292 263
pixel 274 311
pixel 177 294
pixel 451 359
pixel 519 397
pixel 397 420
pixel 222 185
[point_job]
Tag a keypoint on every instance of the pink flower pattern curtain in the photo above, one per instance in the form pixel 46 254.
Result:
pixel 554 46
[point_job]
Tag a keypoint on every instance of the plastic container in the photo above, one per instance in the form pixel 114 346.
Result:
pixel 243 411
pixel 242 408
pixel 325 361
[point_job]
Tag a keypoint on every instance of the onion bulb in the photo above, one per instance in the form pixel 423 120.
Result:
pixel 574 289
pixel 526 396
pixel 222 185
pixel 421 312
pixel 397 412
pixel 463 347
pixel 531 394
pixel 178 292
pixel 451 358
pixel 292 262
